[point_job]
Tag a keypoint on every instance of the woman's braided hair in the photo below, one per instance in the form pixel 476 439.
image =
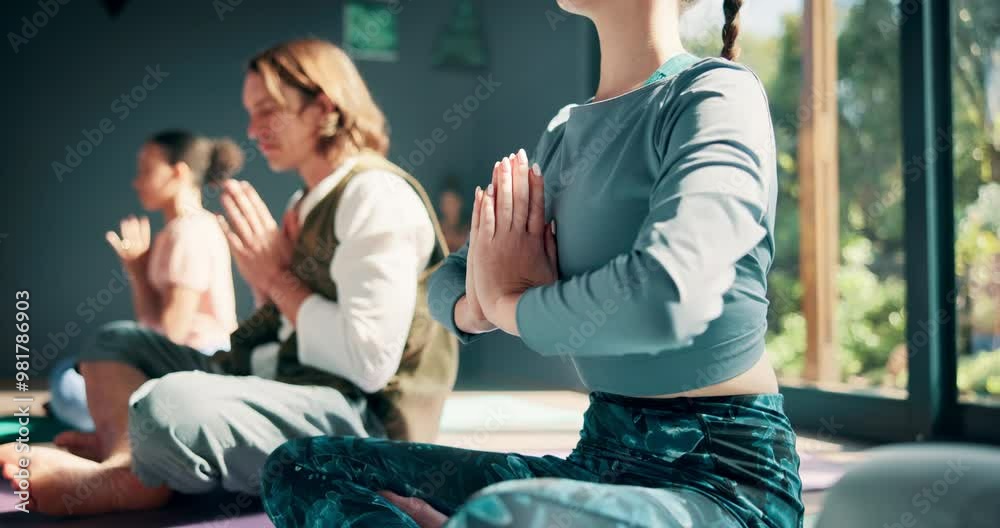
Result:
pixel 731 29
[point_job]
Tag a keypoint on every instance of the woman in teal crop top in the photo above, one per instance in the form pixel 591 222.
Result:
pixel 663 189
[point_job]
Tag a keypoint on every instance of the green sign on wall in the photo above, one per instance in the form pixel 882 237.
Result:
pixel 461 44
pixel 371 30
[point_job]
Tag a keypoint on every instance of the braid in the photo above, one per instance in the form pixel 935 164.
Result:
pixel 731 29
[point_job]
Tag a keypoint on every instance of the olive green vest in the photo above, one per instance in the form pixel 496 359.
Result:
pixel 410 405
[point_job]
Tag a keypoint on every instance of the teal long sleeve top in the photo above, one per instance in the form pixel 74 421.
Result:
pixel 664 201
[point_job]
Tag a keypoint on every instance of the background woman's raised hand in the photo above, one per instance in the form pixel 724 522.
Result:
pixel 132 244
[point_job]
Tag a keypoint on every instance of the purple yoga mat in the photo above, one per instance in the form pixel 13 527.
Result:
pixel 818 474
pixel 203 511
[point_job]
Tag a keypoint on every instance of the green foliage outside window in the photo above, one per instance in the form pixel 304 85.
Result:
pixel 871 318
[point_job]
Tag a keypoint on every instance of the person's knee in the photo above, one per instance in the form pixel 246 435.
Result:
pixel 175 433
pixel 116 336
pixel 518 488
pixel 512 498
pixel 169 407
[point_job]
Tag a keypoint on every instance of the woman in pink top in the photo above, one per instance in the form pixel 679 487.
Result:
pixel 182 283
pixel 181 280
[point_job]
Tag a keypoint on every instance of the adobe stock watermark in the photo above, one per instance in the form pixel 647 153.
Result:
pixel 31 25
pixel 901 14
pixel 380 20
pixel 912 169
pixel 454 116
pixel 598 314
pixel 602 141
pixel 122 106
pixel 556 17
pixel 222 7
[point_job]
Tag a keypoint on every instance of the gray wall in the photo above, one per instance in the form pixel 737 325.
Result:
pixel 70 75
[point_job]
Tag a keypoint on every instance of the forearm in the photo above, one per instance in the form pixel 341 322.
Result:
pixel 622 308
pixel 660 295
pixel 176 324
pixel 446 299
pixel 145 301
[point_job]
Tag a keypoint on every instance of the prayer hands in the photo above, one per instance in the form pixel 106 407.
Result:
pixel 261 250
pixel 511 247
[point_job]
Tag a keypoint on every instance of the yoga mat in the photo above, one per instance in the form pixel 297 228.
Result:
pixel 506 413
pixel 184 513
pixel 41 429
pixel 219 510
pixel 818 473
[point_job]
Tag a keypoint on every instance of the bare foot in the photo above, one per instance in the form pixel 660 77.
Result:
pixel 62 483
pixel 84 445
pixel 422 513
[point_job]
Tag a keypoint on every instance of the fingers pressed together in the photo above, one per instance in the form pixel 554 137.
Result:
pixel 248 222
pixel 513 202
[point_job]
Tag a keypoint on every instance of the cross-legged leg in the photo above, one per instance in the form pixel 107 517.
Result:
pixel 335 481
pixel 562 503
pixel 96 476
pixel 122 356
pixel 110 385
pixel 715 462
pixel 197 432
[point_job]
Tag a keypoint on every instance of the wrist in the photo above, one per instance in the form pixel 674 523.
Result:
pixel 260 297
pixel 289 294
pixel 284 285
pixel 468 322
pixel 278 281
pixel 505 313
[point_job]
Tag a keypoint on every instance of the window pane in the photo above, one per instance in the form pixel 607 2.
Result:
pixel 976 86
pixel 870 352
pixel 872 324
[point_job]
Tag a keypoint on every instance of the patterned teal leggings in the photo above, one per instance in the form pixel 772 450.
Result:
pixel 705 462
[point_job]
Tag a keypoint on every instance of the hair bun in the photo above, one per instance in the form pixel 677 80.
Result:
pixel 226 161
